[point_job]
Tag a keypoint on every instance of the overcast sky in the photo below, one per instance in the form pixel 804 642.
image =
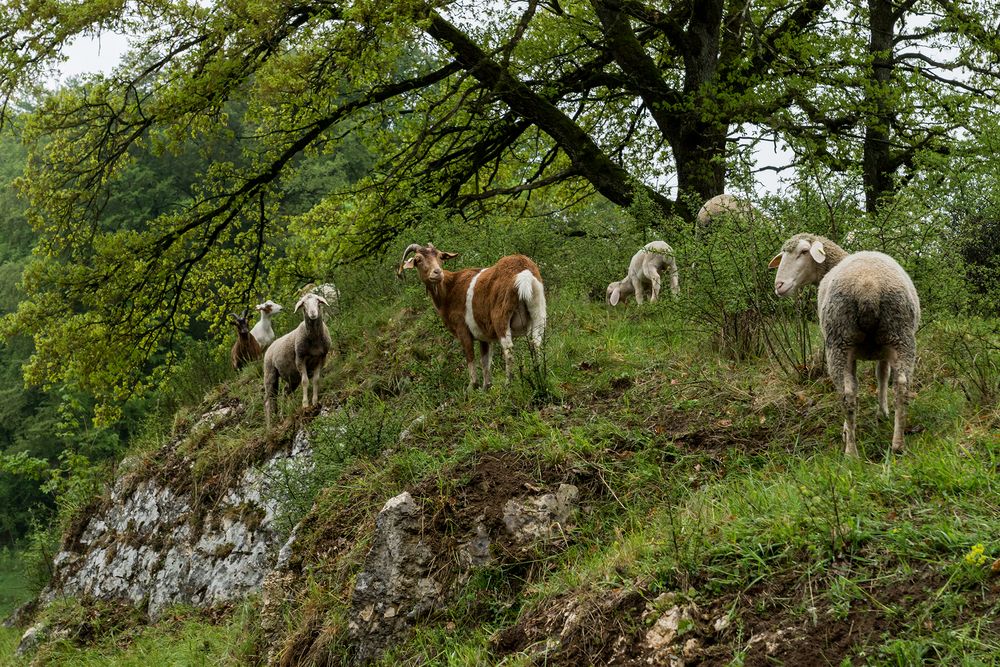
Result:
pixel 93 54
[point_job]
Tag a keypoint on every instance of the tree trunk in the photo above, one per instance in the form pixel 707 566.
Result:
pixel 878 164
pixel 699 154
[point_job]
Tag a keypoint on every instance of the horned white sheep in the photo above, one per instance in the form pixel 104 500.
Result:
pixel 644 270
pixel 488 305
pixel 263 331
pixel 868 309
pixel 298 356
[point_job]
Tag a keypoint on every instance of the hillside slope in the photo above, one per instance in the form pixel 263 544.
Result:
pixel 633 498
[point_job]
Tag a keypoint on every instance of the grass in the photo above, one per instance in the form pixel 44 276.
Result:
pixel 182 638
pixel 14 586
pixel 718 480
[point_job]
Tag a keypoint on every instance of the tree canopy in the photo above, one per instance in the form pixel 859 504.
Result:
pixel 455 106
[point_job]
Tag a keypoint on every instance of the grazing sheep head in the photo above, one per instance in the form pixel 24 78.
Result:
pixel 427 262
pixel 798 264
pixel 310 304
pixel 240 322
pixel 617 290
pixel 269 307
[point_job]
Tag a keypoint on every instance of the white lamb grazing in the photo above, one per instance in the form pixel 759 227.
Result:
pixel 644 271
pixel 263 331
pixel 868 309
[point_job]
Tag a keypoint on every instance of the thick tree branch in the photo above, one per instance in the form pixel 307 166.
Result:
pixel 587 158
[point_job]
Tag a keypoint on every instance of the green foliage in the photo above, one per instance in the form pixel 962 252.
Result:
pixel 728 290
pixel 183 638
pixel 363 428
pixel 971 347
pixel 14 590
pixel 287 144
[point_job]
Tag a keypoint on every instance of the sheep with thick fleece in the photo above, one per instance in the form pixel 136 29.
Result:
pixel 868 309
pixel 644 270
pixel 298 356
pixel 724 204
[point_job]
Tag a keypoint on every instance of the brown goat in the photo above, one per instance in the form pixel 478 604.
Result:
pixel 486 305
pixel 246 348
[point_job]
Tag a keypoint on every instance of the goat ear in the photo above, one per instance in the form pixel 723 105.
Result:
pixel 817 252
pixel 616 295
pixel 773 264
pixel 448 255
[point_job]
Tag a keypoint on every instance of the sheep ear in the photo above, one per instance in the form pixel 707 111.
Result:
pixel 817 252
pixel 775 262
pixel 616 295
pixel 299 304
pixel 448 255
pixel 321 300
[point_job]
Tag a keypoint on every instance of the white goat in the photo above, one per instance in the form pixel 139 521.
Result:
pixel 263 331
pixel 868 309
pixel 643 270
pixel 298 356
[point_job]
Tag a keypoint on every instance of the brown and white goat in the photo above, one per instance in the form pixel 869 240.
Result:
pixel 486 305
pixel 246 348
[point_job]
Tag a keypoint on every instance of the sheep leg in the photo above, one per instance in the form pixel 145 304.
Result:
pixel 270 389
pixel 675 286
pixel 882 377
pixel 850 407
pixel 902 381
pixel 654 278
pixel 637 288
pixel 485 359
pixel 304 375
pixel 507 345
pixel 315 385
pixel 841 365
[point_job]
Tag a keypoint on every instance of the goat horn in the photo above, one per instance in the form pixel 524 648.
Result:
pixel 413 247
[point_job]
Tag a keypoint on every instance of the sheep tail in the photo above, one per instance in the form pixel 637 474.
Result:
pixel 869 298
